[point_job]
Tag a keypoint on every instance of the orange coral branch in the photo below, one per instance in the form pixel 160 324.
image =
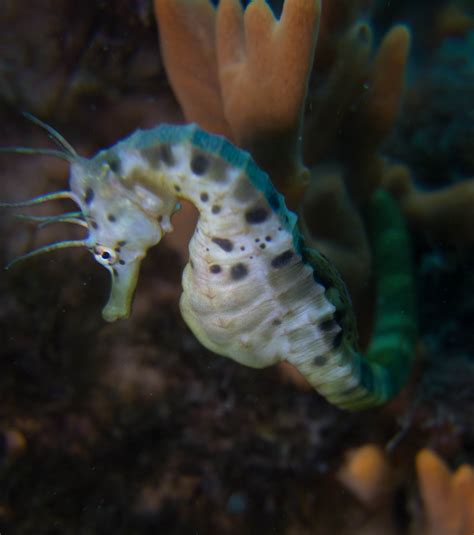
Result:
pixel 245 75
pixel 372 121
pixel 448 498
pixel 264 83
pixel 187 36
pixel 329 106
pixel 387 81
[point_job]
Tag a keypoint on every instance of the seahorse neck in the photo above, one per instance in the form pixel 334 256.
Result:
pixel 217 177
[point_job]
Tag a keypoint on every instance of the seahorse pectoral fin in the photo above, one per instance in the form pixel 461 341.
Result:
pixel 124 282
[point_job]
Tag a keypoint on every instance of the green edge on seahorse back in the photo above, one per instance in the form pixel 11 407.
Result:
pixel 262 182
pixel 221 147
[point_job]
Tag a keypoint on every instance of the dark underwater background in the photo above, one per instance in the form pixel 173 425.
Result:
pixel 134 427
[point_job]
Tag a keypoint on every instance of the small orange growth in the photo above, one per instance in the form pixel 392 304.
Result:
pixel 367 474
pixel 448 498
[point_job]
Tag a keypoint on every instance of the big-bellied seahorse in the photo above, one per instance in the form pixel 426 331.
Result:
pixel 252 290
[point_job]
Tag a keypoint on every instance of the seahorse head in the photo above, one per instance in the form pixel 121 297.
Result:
pixel 124 209
pixel 123 219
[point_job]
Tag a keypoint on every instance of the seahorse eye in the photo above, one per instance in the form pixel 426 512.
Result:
pixel 105 255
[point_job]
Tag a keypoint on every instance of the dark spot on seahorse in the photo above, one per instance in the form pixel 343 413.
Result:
pixel 328 325
pixel 89 196
pixel 114 163
pixel 215 268
pixel 177 188
pixel 242 248
pixel 122 262
pixel 282 259
pixel 122 243
pixel 257 240
pixel 112 218
pixel 218 170
pixel 268 238
pixel 276 322
pixel 94 225
pixel 244 191
pixel 225 244
pixel 204 197
pixel 262 246
pixel 320 360
pixel 337 340
pixel 117 249
pixel 152 155
pixel 256 215
pixel 274 201
pixel 115 272
pixel 216 209
pixel 166 154
pixel 199 164
pixel 239 271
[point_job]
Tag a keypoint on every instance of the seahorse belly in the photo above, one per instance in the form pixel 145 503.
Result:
pixel 261 313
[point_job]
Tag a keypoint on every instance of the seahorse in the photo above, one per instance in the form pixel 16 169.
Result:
pixel 253 290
